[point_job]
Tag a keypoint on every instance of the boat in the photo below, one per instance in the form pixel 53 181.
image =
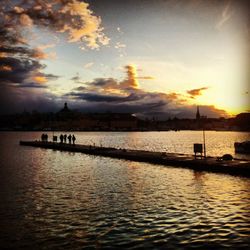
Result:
pixel 242 147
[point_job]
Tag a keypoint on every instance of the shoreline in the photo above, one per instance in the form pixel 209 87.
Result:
pixel 170 130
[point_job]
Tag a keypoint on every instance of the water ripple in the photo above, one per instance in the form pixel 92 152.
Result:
pixel 58 200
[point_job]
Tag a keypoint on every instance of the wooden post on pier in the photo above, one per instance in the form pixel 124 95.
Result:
pixel 204 143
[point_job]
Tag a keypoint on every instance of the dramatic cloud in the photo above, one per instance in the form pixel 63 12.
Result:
pixel 24 83
pixel 21 51
pixel 108 94
pixel 196 92
pixel 104 84
pixel 22 70
pixel 131 81
pixel 72 17
pixel 82 25
pixel 5 68
pixel 16 99
pixel 20 64
pixel 95 97
pixel 32 85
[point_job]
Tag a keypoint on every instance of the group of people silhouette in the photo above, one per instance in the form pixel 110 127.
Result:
pixel 63 138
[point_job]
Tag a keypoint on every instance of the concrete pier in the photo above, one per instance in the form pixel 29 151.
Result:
pixel 210 164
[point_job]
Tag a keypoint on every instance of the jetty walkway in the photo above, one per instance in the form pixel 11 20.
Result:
pixel 210 164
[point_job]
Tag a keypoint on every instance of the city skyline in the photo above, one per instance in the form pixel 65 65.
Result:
pixel 153 58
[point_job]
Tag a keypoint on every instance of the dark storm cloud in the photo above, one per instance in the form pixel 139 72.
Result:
pixel 20 69
pixel 8 34
pixel 18 51
pixel 20 64
pixel 32 85
pixel 14 99
pixel 126 107
pixel 104 82
pixel 95 97
pixel 104 98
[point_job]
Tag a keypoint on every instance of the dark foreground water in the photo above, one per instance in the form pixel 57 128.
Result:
pixel 58 200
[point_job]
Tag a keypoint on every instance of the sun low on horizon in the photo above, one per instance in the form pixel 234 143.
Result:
pixel 159 58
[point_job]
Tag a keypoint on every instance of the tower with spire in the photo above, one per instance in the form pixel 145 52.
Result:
pixel 65 108
pixel 198 116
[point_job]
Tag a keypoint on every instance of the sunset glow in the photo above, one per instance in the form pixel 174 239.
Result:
pixel 151 57
pixel 125 124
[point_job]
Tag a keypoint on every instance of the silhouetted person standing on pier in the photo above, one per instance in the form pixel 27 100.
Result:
pixel 73 139
pixel 61 138
pixel 65 138
pixel 69 138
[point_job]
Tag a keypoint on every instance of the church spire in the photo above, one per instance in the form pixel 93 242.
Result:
pixel 198 113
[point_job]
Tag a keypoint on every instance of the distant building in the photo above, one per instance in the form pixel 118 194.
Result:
pixel 65 113
pixel 242 121
pixel 65 108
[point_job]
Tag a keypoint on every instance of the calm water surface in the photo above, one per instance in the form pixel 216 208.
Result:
pixel 59 200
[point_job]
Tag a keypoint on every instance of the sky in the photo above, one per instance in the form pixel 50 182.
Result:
pixel 160 58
